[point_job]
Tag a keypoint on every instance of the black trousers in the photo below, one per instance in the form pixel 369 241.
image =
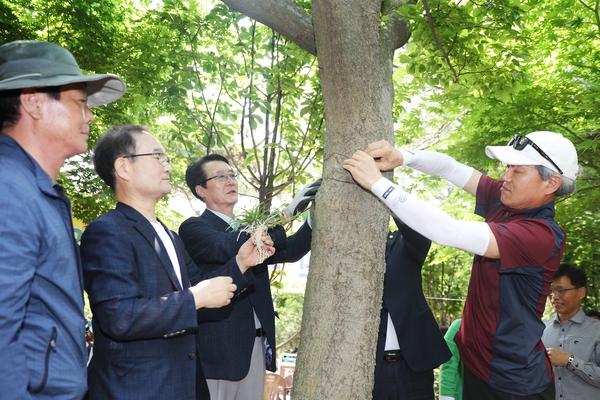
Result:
pixel 396 381
pixel 476 389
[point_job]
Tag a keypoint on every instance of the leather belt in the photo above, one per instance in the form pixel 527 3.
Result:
pixel 260 332
pixel 393 356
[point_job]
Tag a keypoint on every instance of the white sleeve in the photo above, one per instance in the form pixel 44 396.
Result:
pixel 438 164
pixel 434 224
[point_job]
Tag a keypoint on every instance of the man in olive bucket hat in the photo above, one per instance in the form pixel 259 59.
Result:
pixel 45 117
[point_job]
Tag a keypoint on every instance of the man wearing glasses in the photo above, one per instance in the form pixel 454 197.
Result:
pixel 572 339
pixel 143 287
pixel 517 251
pixel 239 341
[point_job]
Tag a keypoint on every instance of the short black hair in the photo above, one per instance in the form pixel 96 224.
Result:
pixel 10 104
pixel 195 174
pixel 592 313
pixel 116 142
pixel 576 275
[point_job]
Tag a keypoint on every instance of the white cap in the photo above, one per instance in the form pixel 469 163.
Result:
pixel 557 147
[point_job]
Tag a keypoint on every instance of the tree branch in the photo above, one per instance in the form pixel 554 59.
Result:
pixel 285 343
pixel 437 41
pixel 397 29
pixel 283 16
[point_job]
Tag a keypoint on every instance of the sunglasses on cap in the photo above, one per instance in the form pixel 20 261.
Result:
pixel 519 142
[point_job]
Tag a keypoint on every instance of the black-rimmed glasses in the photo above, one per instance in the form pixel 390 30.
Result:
pixel 223 177
pixel 561 292
pixel 519 142
pixel 161 157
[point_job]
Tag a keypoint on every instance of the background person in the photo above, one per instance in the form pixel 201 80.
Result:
pixel 595 314
pixel 572 339
pixel 410 343
pixel 517 250
pixel 142 285
pixel 239 342
pixel 45 119
pixel 452 371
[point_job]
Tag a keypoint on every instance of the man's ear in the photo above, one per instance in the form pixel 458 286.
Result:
pixel 553 184
pixel 122 167
pixel 200 191
pixel 32 102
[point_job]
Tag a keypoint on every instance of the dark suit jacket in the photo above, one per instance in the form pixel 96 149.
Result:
pixel 227 341
pixel 419 336
pixel 144 321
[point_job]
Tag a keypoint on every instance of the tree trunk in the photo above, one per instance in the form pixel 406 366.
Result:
pixel 342 304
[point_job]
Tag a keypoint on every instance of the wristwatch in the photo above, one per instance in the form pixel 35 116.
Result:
pixel 571 359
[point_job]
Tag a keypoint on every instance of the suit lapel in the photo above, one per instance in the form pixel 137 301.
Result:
pixel 145 228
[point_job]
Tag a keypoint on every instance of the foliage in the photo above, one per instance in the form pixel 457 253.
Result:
pixel 289 309
pixel 97 33
pixel 240 89
pixel 256 216
pixel 10 28
pixel 473 47
pixel 223 83
pixel 256 221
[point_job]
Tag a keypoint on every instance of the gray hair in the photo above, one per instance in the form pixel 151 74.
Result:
pixel 567 186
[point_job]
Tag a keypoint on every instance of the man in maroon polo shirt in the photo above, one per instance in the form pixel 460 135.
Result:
pixel 517 250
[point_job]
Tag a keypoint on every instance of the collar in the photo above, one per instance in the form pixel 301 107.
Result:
pixel 577 318
pixel 44 182
pixel 545 211
pixel 224 217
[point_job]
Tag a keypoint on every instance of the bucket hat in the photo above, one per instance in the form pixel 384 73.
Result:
pixel 550 149
pixel 33 64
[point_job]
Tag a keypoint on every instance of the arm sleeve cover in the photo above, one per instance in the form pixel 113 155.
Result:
pixel 438 164
pixel 436 225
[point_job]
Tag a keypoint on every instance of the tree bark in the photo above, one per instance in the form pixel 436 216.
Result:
pixel 342 304
pixel 343 295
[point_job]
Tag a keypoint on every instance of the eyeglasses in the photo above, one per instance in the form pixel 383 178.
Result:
pixel 519 142
pixel 161 157
pixel 561 292
pixel 223 177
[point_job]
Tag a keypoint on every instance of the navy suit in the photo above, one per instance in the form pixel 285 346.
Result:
pixel 421 342
pixel 228 339
pixel 145 322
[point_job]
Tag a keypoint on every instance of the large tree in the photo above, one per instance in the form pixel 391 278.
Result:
pixel 343 295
